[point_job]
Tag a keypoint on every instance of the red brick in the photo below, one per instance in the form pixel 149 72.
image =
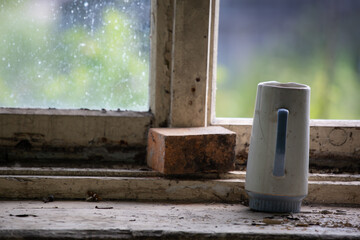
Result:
pixel 191 150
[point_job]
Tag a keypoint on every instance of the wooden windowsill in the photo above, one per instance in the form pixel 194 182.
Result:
pixel 154 206
pixel 141 185
pixel 138 220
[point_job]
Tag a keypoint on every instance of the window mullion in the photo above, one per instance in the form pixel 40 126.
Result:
pixel 162 12
pixel 190 63
pixel 213 61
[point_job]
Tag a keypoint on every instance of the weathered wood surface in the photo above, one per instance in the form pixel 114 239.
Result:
pixel 162 16
pixel 162 189
pixel 190 63
pixel 145 172
pixel 121 188
pixel 72 127
pixel 214 29
pixel 134 220
pixel 333 144
pixel 27 134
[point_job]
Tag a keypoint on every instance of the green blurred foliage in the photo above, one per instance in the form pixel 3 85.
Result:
pixel 42 65
pixel 326 60
pixel 334 94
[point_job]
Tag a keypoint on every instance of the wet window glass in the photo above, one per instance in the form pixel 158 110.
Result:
pixel 73 54
pixel 314 42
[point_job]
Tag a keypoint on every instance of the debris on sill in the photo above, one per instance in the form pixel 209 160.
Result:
pixel 93 197
pixel 23 215
pixel 99 207
pixel 49 198
pixel 182 220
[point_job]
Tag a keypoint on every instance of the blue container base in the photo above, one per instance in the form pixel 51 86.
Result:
pixel 270 203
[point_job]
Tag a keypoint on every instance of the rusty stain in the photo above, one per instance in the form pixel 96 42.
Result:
pixel 197 79
pixel 337 136
pixel 190 102
pixel 193 89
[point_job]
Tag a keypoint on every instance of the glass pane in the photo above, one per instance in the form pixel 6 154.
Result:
pixel 75 54
pixel 315 42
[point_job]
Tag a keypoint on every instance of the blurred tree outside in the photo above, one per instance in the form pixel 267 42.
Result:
pixel 74 54
pixel 307 41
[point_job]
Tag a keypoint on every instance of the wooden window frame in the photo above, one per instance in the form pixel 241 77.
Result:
pixel 69 136
pixel 334 144
pixel 178 94
pixel 182 94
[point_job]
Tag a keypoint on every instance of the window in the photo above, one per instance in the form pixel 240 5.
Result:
pixel 315 43
pixel 75 54
pixel 311 42
pixel 182 92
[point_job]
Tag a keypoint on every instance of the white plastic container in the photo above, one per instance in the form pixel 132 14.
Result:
pixel 278 161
